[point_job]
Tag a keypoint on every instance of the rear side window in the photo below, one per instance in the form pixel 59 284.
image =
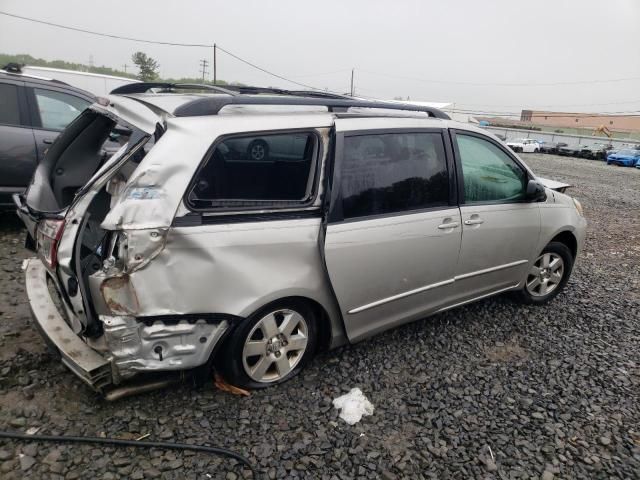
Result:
pixel 9 112
pixel 490 175
pixel 391 173
pixel 253 169
pixel 57 109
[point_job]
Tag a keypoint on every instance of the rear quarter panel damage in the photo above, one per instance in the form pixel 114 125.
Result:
pixel 235 269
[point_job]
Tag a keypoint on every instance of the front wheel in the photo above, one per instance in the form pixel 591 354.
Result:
pixel 536 151
pixel 548 275
pixel 271 346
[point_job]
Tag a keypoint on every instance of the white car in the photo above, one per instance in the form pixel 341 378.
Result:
pixel 525 145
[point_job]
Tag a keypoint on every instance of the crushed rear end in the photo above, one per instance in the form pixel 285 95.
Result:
pixel 78 285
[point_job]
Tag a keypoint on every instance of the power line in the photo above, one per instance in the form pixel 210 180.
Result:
pixel 265 70
pixel 155 42
pixel 108 35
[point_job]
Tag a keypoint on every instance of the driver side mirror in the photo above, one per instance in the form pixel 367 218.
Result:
pixel 535 191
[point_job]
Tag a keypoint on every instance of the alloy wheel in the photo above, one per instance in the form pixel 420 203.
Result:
pixel 275 346
pixel 545 274
pixel 257 152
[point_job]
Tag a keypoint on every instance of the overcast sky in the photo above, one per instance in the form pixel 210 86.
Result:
pixel 483 55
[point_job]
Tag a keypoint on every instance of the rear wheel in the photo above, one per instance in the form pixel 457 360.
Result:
pixel 548 275
pixel 258 150
pixel 271 346
pixel 536 150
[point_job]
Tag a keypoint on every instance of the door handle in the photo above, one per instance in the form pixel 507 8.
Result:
pixel 448 225
pixel 47 141
pixel 474 221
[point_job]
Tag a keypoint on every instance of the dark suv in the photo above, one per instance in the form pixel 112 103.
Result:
pixel 33 111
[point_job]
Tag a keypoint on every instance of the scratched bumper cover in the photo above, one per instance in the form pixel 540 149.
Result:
pixel 85 362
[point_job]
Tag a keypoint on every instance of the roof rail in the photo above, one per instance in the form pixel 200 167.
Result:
pixel 213 105
pixel 247 95
pixel 143 87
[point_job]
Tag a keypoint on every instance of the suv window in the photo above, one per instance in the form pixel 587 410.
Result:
pixel 257 168
pixel 394 172
pixel 490 175
pixel 9 111
pixel 58 109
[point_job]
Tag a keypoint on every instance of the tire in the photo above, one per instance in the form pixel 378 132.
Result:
pixel 540 288
pixel 536 151
pixel 258 150
pixel 266 330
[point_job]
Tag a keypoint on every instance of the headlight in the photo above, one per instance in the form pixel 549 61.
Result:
pixel 578 206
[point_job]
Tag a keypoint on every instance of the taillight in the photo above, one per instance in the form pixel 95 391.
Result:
pixel 47 239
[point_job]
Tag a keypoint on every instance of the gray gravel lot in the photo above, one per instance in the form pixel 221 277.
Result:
pixel 490 390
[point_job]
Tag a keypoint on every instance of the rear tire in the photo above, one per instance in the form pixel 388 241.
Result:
pixel 271 346
pixel 258 151
pixel 547 276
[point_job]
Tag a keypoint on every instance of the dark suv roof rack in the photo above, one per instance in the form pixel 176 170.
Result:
pixel 144 87
pixel 245 95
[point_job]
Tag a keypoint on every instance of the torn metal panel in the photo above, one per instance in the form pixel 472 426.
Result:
pixel 130 111
pixel 136 346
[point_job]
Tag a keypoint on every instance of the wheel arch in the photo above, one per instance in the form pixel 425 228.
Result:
pixel 330 329
pixel 569 239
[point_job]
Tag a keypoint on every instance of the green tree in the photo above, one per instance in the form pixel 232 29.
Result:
pixel 147 66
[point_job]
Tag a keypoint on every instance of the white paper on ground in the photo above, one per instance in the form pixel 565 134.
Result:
pixel 353 405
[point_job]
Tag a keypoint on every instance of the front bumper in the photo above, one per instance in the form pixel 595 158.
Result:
pixel 85 362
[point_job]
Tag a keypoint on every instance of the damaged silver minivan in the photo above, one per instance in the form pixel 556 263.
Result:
pixel 245 229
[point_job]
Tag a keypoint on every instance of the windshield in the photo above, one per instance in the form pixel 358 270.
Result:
pixel 631 153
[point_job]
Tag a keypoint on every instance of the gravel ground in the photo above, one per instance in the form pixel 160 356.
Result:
pixel 490 390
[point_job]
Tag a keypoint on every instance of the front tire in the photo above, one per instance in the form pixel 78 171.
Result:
pixel 548 275
pixel 271 346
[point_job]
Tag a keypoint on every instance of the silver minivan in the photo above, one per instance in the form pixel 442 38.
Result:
pixel 189 250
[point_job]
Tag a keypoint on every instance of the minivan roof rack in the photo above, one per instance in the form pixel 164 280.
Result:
pixel 213 105
pixel 247 95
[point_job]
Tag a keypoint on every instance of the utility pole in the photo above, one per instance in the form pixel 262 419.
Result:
pixel 125 67
pixel 215 69
pixel 203 66
pixel 352 81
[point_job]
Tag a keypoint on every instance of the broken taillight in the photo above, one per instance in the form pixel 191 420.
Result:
pixel 47 240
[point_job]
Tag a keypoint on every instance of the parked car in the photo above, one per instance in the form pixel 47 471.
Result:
pixel 597 151
pixel 624 158
pixel 524 145
pixel 33 111
pixel 573 150
pixel 268 148
pixel 173 255
pixel 551 147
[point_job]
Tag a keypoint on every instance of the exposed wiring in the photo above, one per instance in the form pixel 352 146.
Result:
pixel 224 452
